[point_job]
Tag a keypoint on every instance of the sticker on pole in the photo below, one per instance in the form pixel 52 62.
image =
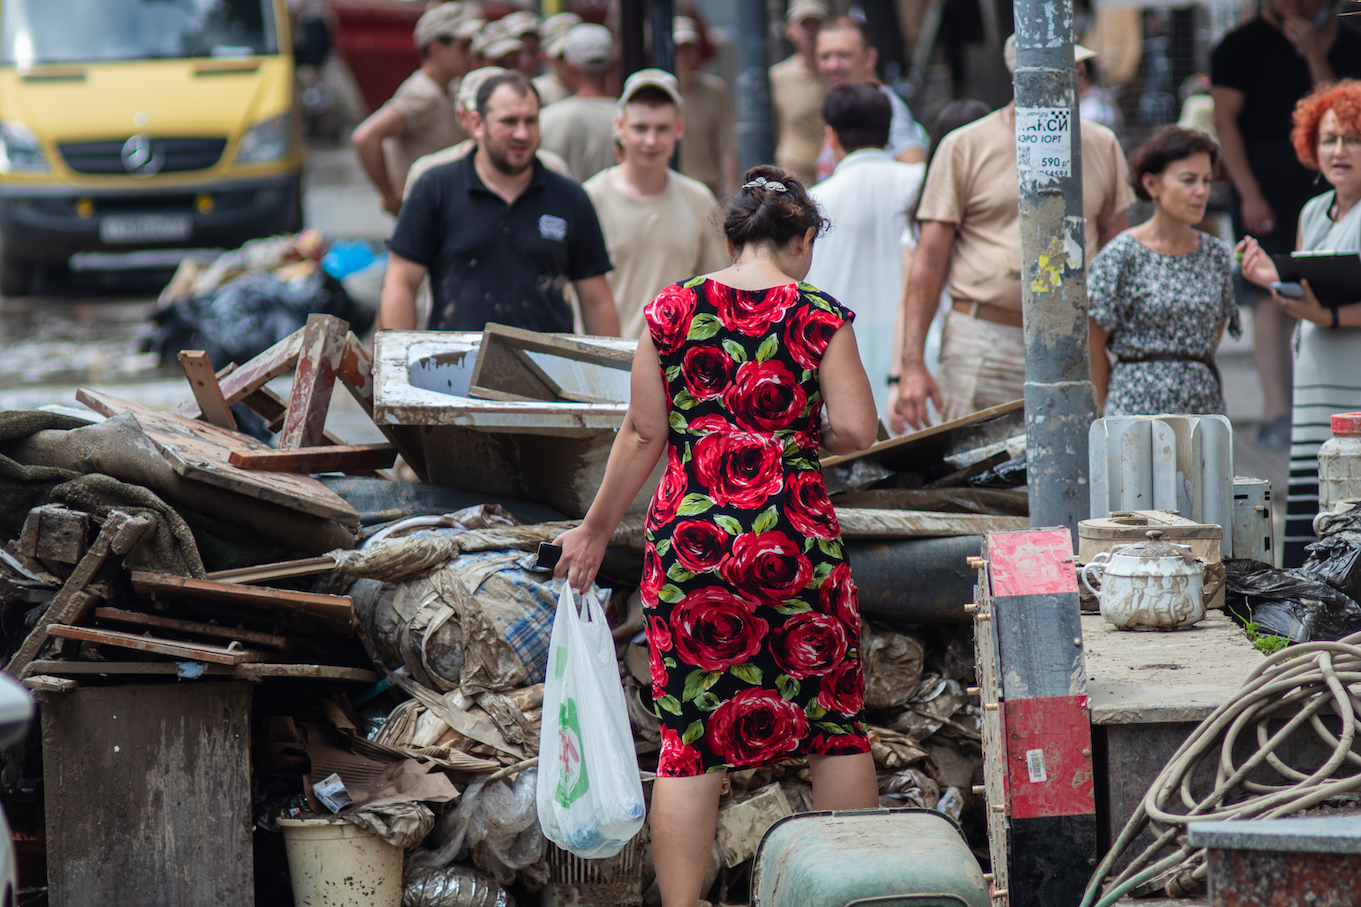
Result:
pixel 1044 149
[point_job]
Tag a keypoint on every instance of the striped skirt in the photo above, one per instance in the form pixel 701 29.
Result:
pixel 1327 381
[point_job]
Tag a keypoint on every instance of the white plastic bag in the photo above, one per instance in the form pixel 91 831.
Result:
pixel 589 795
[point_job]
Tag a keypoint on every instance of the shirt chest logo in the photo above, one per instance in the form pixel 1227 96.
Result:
pixel 554 228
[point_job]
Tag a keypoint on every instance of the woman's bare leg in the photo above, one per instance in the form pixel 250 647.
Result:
pixel 684 821
pixel 844 782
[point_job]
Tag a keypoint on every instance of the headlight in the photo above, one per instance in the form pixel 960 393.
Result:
pixel 266 141
pixel 20 150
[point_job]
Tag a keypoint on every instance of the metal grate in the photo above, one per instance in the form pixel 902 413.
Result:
pixel 106 157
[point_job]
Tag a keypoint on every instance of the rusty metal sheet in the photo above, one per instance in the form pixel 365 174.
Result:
pixel 197 450
pixel 1049 757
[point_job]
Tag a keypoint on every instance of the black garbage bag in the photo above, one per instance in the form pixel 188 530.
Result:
pixel 241 319
pixel 1287 603
pixel 1335 558
pixel 1011 474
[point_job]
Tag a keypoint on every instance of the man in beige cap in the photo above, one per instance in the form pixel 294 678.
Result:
pixel 552 85
pixel 657 222
pixel 970 235
pixel 420 117
pixel 797 90
pixel 709 152
pixel 466 104
pixel 524 25
pixel 493 46
pixel 581 128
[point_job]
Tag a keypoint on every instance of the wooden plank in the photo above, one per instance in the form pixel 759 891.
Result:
pixel 274 408
pixel 356 373
pixel 180 650
pixel 323 341
pixel 919 448
pixel 247 378
pixel 333 609
pixel 141 618
pixel 46 683
pixel 336 458
pixel 198 371
pixel 149 795
pixel 200 451
pixel 120 534
pixel 503 366
pixel 255 671
pixel 54 533
pixel 307 566
pixel 867 523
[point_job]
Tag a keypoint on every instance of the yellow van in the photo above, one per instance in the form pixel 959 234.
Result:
pixel 143 124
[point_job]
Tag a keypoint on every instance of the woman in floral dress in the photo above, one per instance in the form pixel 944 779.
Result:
pixel 1162 292
pixel 753 625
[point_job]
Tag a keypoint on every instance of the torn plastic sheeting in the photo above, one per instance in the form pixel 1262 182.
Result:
pixel 893 666
pixel 1287 602
pixel 1336 557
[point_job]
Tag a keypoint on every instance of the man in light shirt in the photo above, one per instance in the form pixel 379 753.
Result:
pixel 657 223
pixel 709 152
pixel 866 199
pixel 971 236
pixel 420 117
pixel 552 85
pixel 581 128
pixel 797 90
pixel 846 54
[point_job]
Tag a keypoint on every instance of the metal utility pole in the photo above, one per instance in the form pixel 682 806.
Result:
pixel 1060 402
pixel 663 46
pixel 755 144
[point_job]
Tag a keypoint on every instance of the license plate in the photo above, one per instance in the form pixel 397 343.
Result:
pixel 145 228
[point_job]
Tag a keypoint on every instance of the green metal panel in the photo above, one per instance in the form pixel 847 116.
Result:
pixel 867 858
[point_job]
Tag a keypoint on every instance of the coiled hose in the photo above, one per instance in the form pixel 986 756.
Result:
pixel 1296 685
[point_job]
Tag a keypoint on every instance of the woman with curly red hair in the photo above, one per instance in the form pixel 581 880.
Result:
pixel 1327 138
pixel 753 625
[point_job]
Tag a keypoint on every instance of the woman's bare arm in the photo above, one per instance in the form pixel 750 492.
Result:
pixel 640 443
pixel 850 423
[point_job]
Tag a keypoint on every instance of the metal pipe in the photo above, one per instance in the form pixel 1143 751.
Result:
pixel 1060 402
pixel 632 44
pixel 755 143
pixel 663 46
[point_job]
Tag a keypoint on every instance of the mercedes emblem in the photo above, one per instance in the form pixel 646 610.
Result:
pixel 143 155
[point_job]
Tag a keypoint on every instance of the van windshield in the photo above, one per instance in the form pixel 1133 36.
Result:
pixel 34 32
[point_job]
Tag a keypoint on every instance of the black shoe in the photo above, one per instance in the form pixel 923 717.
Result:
pixel 1275 435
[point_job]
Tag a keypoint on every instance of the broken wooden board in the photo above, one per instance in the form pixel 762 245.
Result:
pixel 913 451
pixel 46 683
pixel 863 523
pixel 1003 501
pixel 184 651
pixel 244 379
pixel 198 371
pixel 54 533
pixel 504 371
pixel 121 532
pixel 197 450
pixel 323 341
pixel 308 566
pixel 256 671
pixel 334 610
pixel 304 460
pixel 191 627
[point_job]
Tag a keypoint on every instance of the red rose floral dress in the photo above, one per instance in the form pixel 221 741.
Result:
pixel 753 625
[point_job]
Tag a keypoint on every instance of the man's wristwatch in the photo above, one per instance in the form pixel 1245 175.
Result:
pixel 897 379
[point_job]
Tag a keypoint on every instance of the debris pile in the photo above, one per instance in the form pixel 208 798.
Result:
pixel 398 633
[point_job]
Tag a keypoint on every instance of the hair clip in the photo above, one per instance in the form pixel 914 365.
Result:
pixel 762 183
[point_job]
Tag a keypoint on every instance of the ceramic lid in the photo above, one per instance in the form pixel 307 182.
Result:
pixel 1154 547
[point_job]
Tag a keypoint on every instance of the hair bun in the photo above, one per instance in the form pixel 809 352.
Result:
pixel 771 206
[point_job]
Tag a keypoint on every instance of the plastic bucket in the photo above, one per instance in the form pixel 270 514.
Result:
pixel 334 863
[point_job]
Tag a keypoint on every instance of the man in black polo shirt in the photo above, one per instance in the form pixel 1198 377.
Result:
pixel 499 235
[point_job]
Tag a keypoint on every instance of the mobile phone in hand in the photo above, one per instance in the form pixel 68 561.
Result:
pixel 1288 289
pixel 549 555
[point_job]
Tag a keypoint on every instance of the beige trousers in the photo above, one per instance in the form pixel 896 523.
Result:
pixel 982 364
